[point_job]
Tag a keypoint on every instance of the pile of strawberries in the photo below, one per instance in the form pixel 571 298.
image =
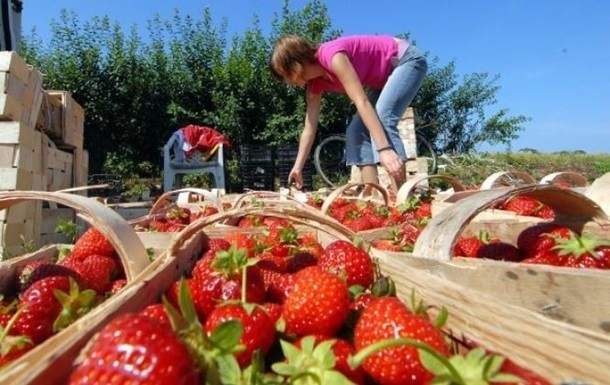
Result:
pixel 278 307
pixel 176 218
pixel 47 296
pixel 545 243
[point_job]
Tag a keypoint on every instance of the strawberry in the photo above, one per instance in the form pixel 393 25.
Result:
pixel 356 221
pixel 92 242
pixel 216 244
pixel 342 349
pixel 467 246
pixel 317 303
pixel 349 262
pixel 309 243
pixel 12 346
pixel 258 329
pixel 157 312
pixel 180 216
pixel 96 271
pixel 389 318
pixel 50 305
pixel 523 205
pixel 540 238
pixel 222 279
pixel 134 348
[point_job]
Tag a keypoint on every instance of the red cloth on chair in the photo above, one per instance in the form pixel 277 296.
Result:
pixel 203 139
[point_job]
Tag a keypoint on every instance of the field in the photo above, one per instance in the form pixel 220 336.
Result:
pixel 473 169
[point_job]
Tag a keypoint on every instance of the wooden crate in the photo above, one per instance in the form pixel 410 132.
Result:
pixel 64 119
pixel 20 90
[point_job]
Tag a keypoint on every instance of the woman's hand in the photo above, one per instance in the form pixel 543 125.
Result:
pixel 395 167
pixel 296 176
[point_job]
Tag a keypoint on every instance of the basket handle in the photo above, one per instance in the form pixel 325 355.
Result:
pixel 440 234
pixel 407 189
pixel 506 178
pixel 336 193
pixel 277 197
pixel 112 225
pixel 162 201
pixel 573 178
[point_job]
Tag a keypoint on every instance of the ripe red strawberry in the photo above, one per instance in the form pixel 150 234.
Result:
pixel 317 303
pixel 523 205
pixel 424 210
pixel 280 238
pixel 390 318
pixel 134 348
pixel 96 271
pixel 258 329
pixel 341 212
pixel 387 245
pixel 242 241
pixel 157 312
pixel 203 303
pixel 216 244
pixel 274 311
pixel 342 350
pixel 278 286
pixel 309 243
pixel 179 216
pixel 356 221
pixel 221 279
pixel 92 242
pixel 348 261
pixel 467 246
pixel 205 211
pixel 46 311
pixel 540 238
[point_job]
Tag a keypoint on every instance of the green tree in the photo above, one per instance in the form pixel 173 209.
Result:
pixel 138 89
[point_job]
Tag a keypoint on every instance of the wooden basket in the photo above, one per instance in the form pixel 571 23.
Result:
pixel 379 194
pixel 507 179
pixel 53 366
pixel 528 339
pixel 133 255
pixel 560 293
pixel 598 191
pixel 411 186
pixel 189 197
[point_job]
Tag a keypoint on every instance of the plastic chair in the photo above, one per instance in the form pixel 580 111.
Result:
pixel 176 164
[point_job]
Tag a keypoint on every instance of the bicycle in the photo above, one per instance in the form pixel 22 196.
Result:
pixel 330 163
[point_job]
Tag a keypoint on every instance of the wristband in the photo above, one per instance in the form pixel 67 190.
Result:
pixel 384 148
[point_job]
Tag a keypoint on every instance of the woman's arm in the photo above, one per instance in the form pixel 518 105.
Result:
pixel 309 131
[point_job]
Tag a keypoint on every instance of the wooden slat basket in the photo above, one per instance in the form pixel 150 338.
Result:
pixel 559 293
pixel 121 235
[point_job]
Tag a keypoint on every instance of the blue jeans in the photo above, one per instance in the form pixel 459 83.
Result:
pixel 390 103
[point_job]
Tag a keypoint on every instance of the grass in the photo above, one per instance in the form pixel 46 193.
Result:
pixel 473 169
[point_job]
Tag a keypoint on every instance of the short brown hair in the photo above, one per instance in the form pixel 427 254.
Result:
pixel 290 53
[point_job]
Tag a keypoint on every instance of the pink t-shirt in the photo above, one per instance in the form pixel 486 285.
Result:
pixel 371 56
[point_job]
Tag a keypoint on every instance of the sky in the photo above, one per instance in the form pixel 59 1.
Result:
pixel 552 56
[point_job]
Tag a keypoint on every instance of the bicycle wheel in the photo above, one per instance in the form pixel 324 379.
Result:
pixel 426 151
pixel 329 160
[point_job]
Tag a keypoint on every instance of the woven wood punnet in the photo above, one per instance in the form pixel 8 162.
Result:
pixel 131 252
pixel 571 295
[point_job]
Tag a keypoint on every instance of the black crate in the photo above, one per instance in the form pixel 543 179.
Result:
pixel 257 153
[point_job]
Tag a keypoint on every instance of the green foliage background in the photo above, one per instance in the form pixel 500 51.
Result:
pixel 138 89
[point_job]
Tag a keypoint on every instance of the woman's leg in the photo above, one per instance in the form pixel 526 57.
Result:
pixel 398 93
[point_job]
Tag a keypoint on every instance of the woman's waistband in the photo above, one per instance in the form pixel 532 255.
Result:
pixel 401 49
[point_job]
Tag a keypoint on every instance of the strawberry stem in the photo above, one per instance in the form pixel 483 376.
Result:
pixel 357 359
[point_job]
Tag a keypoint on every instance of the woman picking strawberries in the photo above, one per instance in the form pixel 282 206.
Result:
pixel 392 71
